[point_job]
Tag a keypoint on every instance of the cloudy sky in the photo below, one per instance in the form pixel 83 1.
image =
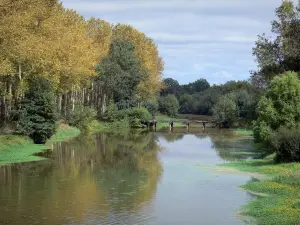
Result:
pixel 210 39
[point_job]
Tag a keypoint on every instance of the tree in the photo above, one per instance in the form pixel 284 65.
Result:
pixel 151 106
pixel 171 86
pixel 225 111
pixel 147 52
pixel 200 85
pixel 196 86
pixel 120 73
pixel 275 56
pixel 168 105
pixel 37 117
pixel 280 106
pixel 185 103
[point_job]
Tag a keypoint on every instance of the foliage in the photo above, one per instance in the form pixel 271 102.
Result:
pixel 168 105
pixel 43 39
pixel 171 86
pixel 197 86
pixel 200 98
pixel 225 111
pixel 151 106
pixel 82 118
pixel 280 54
pixel 120 72
pixel 136 116
pixel 111 113
pixel 185 102
pixel 286 144
pixel 280 106
pixel 147 53
pixel 261 131
pixel 37 117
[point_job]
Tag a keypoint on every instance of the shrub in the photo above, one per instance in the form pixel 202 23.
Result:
pixel 286 144
pixel 261 131
pixel 37 117
pixel 111 113
pixel 119 125
pixel 279 106
pixel 136 116
pixel 82 117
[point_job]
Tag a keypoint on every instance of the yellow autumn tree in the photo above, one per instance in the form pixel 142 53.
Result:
pixel 100 32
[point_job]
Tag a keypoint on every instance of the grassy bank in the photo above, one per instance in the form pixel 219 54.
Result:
pixel 14 149
pixel 166 124
pixel 279 199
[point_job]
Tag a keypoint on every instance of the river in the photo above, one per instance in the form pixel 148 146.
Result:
pixel 155 178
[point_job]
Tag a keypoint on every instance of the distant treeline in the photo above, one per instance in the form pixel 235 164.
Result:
pixel 229 101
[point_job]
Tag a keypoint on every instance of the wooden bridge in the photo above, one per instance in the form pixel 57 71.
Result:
pixel 182 121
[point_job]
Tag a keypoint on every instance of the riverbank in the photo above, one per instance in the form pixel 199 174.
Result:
pixel 15 149
pixel 278 200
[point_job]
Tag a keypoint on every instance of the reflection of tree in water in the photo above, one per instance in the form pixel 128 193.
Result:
pixel 130 170
pixel 232 148
pixel 171 136
pixel 102 172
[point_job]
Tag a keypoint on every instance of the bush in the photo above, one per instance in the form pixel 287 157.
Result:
pixel 279 106
pixel 111 113
pixel 119 125
pixel 135 116
pixel 286 143
pixel 261 131
pixel 151 106
pixel 82 117
pixel 169 105
pixel 37 117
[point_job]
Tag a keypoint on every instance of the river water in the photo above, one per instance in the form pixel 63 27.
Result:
pixel 156 178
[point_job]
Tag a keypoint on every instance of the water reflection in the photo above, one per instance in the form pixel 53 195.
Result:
pixel 101 175
pixel 228 146
pixel 117 179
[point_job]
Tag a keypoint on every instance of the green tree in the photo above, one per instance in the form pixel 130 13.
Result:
pixel 111 113
pixel 225 111
pixel 280 106
pixel 168 105
pixel 37 115
pixel 120 73
pixel 171 86
pixel 185 102
pixel 151 106
pixel 137 116
pixel 275 56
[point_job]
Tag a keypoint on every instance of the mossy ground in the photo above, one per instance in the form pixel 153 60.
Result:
pixel 281 201
pixel 14 149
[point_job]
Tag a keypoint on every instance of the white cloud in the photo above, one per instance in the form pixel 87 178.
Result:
pixel 196 38
pixel 122 5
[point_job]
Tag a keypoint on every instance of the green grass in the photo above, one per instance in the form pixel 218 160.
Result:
pixel 166 124
pixel 165 117
pixel 64 133
pixel 15 149
pixel 281 201
pixel 243 132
